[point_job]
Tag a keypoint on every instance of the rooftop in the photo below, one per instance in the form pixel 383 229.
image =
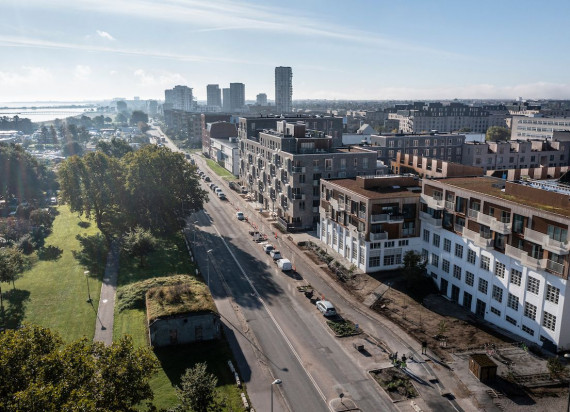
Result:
pixel 187 297
pixel 493 186
pixel 391 187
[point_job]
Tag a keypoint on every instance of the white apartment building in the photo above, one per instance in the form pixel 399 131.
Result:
pixel 537 126
pixel 372 221
pixel 501 250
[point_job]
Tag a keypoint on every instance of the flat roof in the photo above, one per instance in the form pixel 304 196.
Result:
pixel 394 191
pixel 492 186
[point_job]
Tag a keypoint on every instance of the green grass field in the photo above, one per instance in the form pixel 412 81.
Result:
pixel 219 170
pixel 53 294
pixel 172 258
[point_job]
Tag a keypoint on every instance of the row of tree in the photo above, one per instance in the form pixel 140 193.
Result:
pixel 121 189
pixel 17 123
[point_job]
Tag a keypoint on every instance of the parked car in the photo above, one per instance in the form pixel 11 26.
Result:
pixel 240 216
pixel 326 308
pixel 207 178
pixel 284 264
pixel 268 247
pixel 221 195
pixel 275 254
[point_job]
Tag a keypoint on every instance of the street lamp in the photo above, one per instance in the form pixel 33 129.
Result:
pixel 86 273
pixel 195 223
pixel 275 382
pixel 208 257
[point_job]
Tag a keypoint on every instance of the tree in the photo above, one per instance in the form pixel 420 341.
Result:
pixel 41 217
pixel 93 186
pixel 39 372
pixel 138 116
pixel 120 118
pixel 159 183
pixel 139 242
pixel 197 389
pixel 53 135
pixel 413 271
pixel 495 133
pixel 11 266
pixel 72 148
pixel 465 130
pixel 115 148
pixel 21 175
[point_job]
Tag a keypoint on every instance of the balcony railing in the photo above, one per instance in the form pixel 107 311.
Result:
pixel 449 205
pixel 378 236
pixel 487 220
pixel 298 196
pixel 477 238
pixel 426 217
pixel 554 266
pixel 433 203
pixel 525 258
pixel 380 218
pixel 297 169
pixel 552 245
pixel 362 215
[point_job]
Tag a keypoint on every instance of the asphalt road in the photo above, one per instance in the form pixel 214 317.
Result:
pixel 295 342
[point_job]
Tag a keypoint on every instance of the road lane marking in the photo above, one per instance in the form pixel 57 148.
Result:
pixel 287 341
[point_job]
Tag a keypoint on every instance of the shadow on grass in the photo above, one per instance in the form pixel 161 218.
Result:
pixel 15 310
pixel 83 224
pixel 50 252
pixel 169 258
pixel 174 360
pixel 93 253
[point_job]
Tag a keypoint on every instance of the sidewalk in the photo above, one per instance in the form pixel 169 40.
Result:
pixel 106 311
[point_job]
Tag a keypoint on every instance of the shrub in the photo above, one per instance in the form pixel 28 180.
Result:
pixel 26 244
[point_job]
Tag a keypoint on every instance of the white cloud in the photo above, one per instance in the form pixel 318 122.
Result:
pixel 105 35
pixel 27 76
pixel 161 79
pixel 82 72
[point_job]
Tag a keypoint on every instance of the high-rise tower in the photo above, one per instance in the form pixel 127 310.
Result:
pixel 283 89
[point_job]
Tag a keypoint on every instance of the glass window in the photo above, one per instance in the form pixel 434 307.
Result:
pixel 445 266
pixel 483 285
pixel 516 276
pixel 469 278
pixel 552 294
pixel 511 320
pixel 549 321
pixel 426 235
pixel 533 285
pixel 457 272
pixel 459 251
pixel 485 262
pixel 436 239
pixel 374 261
pixel 513 302
pixel 434 260
pixel 471 255
pixel 528 330
pixel 447 245
pixel 499 270
pixel 495 311
pixel 497 293
pixel 530 310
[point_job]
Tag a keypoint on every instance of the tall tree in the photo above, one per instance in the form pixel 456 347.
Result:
pixel 11 266
pixel 115 148
pixel 495 133
pixel 138 116
pixel 139 242
pixel 159 183
pixel 197 389
pixel 21 175
pixel 93 186
pixel 39 372
pixel 53 135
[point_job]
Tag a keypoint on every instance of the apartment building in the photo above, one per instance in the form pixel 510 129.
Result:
pixel 214 95
pixel 444 146
pixel 536 126
pixel 237 97
pixel 249 127
pixel 179 98
pixel 430 168
pixel 372 221
pixel 500 249
pixel 421 118
pixel 205 120
pixel 261 99
pixel 516 154
pixel 283 89
pixel 282 169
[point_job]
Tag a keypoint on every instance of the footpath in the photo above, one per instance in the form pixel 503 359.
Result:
pixel 106 310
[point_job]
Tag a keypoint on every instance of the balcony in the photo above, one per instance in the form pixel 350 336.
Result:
pixel 433 203
pixel 554 266
pixel 496 225
pixel 554 246
pixel 297 169
pixel 426 217
pixel 450 205
pixel 525 258
pixel 477 238
pixel 380 218
pixel 362 215
pixel 298 196
pixel 378 236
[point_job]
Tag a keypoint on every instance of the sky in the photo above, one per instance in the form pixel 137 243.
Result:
pixel 66 50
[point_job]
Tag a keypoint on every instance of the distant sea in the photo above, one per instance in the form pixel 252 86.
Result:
pixel 45 111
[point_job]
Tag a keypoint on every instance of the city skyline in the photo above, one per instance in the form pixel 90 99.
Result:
pixel 65 50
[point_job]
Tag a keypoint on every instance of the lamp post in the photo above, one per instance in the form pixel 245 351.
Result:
pixel 275 382
pixel 86 273
pixel 208 257
pixel 195 223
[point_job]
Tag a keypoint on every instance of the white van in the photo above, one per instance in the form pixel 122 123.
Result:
pixel 284 264
pixel 326 308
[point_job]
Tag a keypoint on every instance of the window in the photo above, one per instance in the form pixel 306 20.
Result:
pixel 354 251
pixel 436 239
pixel 445 265
pixel 389 243
pixel 457 272
pixel 528 330
pixel 434 260
pixel 426 235
pixel 485 262
pixel 374 261
pixel 447 245
pixel 404 242
pixel 497 293
pixel 549 321
pixel 511 320
pixel 469 278
pixel 365 163
pixel 513 302
pixel 389 260
pixel 483 284
pixel 328 164
pixel 377 245
pixel 471 256
pixel 425 255
pixel 301 178
pixel 533 285
pixel 459 251
pixel 499 270
pixel 355 162
pixel 552 294
pixel 530 310
pixel 495 311
pixel 516 276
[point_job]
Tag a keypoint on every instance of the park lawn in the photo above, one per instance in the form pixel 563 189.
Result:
pixel 53 294
pixel 170 258
pixel 219 170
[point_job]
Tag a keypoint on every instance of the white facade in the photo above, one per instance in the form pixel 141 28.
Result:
pixel 226 153
pixel 511 287
pixel 368 256
pixel 524 127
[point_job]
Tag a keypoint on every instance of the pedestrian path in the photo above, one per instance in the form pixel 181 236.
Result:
pixel 106 311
